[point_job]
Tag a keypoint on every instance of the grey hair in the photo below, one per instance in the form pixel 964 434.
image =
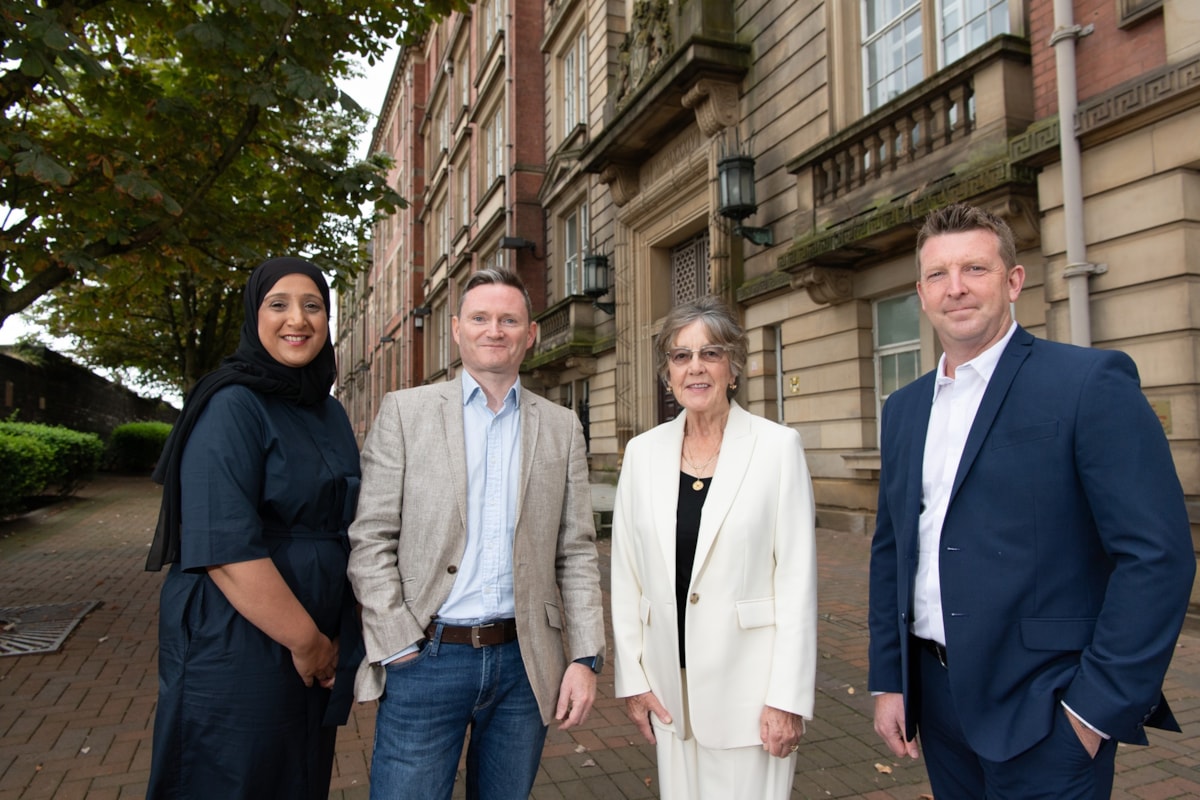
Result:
pixel 722 326
pixel 497 276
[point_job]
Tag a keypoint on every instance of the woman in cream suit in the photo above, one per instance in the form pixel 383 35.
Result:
pixel 714 576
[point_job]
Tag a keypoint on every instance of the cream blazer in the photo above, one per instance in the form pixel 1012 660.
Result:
pixel 411 531
pixel 751 624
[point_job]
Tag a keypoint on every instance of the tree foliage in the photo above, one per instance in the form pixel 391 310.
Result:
pixel 151 151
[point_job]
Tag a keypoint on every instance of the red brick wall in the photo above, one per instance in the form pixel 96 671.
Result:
pixel 1106 58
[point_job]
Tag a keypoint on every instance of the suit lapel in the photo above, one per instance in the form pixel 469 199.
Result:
pixel 736 448
pixel 664 493
pixel 1011 359
pixel 530 422
pixel 919 430
pixel 456 443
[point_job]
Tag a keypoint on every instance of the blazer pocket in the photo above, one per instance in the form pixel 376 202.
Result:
pixel 1029 433
pixel 554 616
pixel 756 613
pixel 1057 634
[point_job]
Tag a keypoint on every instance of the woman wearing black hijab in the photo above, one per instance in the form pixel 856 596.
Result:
pixel 258 639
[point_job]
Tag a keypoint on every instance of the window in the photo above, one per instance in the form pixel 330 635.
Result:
pixel 494 260
pixel 463 73
pixel 689 269
pixel 897 344
pixel 464 195
pixel 490 14
pixel 574 84
pixel 967 24
pixel 893 57
pixel 438 325
pixel 493 149
pixel 443 229
pixel 575 242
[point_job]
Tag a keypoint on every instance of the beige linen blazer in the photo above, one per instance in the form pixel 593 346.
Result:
pixel 411 530
pixel 751 623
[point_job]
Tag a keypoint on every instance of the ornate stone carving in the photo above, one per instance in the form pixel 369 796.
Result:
pixel 1022 216
pixel 715 104
pixel 622 182
pixel 646 46
pixel 825 285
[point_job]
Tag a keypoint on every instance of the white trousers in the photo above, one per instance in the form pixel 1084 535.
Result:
pixel 687 771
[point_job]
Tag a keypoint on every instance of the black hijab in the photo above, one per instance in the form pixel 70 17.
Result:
pixel 250 365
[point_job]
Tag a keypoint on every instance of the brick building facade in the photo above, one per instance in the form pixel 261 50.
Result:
pixel 859 117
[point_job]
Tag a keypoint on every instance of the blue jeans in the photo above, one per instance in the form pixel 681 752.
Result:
pixel 428 704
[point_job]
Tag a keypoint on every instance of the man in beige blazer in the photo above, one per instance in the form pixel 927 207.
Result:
pixel 473 556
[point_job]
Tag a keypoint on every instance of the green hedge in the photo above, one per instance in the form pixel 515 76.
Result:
pixel 25 467
pixel 75 455
pixel 136 446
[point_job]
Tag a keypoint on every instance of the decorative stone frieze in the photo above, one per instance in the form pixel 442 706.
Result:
pixel 1139 96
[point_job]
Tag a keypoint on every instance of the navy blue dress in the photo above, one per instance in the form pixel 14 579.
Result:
pixel 260 478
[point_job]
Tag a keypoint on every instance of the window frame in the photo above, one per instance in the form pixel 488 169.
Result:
pixel 880 352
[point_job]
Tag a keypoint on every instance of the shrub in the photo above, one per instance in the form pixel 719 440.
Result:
pixel 26 464
pixel 136 446
pixel 76 455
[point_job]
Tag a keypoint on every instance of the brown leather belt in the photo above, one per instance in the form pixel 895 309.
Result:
pixel 501 631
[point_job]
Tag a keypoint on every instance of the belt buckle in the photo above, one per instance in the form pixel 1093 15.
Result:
pixel 475 629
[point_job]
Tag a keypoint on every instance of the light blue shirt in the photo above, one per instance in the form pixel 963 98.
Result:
pixel 483 586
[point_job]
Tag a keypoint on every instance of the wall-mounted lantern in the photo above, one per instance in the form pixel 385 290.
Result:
pixel 595 281
pixel 736 197
pixel 419 313
pixel 518 243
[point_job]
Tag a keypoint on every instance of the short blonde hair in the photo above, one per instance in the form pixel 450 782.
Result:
pixel 963 218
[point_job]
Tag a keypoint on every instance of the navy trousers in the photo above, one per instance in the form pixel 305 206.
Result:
pixel 1056 768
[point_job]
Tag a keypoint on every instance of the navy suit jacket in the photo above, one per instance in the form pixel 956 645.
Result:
pixel 1066 557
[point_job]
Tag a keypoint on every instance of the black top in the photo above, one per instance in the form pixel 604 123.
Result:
pixel 687 532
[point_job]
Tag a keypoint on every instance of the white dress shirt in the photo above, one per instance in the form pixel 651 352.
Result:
pixel 955 401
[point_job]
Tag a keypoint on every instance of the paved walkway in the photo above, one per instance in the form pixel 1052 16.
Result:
pixel 77 724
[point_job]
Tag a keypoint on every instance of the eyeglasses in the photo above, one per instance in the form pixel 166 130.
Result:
pixel 709 354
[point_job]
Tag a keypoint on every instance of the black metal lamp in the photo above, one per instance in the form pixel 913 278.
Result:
pixel 595 281
pixel 736 197
pixel 419 313
pixel 518 243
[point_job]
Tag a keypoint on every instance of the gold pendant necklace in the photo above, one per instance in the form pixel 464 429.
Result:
pixel 698 484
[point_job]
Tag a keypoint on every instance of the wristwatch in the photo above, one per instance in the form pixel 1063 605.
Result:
pixel 594 663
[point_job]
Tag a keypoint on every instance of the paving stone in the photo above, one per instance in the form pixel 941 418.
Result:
pixel 99 691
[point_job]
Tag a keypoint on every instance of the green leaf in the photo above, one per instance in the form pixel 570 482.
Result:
pixel 41 167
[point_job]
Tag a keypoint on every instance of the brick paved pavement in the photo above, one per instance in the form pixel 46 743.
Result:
pixel 77 724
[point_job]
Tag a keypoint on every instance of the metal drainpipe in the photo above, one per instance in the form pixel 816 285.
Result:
pixel 1078 268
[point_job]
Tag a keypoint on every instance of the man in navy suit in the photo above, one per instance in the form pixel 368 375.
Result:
pixel 1032 561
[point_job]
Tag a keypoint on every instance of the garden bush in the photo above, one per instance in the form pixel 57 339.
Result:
pixel 76 455
pixel 26 464
pixel 136 446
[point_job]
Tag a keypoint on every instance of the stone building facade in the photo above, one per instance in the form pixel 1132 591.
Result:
pixel 859 116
